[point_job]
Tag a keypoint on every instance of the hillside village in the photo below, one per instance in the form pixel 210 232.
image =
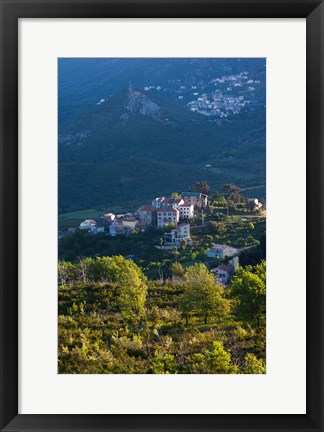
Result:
pixel 177 286
pixel 219 97
pixel 161 256
pixel 175 217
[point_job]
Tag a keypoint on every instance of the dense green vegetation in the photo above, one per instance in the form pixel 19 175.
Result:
pixel 229 219
pixel 109 156
pixel 156 262
pixel 129 304
pixel 126 306
pixel 112 319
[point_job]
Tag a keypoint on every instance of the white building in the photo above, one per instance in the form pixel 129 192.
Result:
pixel 160 202
pixel 91 226
pixel 167 215
pixel 256 202
pixel 222 273
pixel 88 224
pixel 157 202
pixel 109 216
pixel 221 251
pixel 176 235
pixel 186 211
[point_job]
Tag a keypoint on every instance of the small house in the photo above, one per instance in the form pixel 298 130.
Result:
pixel 222 251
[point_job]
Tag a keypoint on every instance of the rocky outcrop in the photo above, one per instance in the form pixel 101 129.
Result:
pixel 138 103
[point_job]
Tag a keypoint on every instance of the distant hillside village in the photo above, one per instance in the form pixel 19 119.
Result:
pixel 173 215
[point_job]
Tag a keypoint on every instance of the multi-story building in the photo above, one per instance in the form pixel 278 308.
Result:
pixel 222 273
pixel 197 199
pixel 176 235
pixel 157 202
pixel 186 211
pixel 167 215
pixel 148 215
pixel 160 202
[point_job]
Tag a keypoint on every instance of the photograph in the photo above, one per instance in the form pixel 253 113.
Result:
pixel 161 215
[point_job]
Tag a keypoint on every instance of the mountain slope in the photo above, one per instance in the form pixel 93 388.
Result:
pixel 135 146
pixel 132 124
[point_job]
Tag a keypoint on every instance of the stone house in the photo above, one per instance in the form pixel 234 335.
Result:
pixel 221 251
pixel 148 215
pixel 197 199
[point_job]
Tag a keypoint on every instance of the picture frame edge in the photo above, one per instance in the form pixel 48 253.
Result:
pixel 10 420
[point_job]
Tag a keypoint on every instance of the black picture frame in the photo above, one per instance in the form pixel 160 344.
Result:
pixel 11 11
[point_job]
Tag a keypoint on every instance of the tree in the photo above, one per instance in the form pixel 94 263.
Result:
pixel 202 187
pixel 65 272
pixel 169 226
pixel 248 290
pixel 202 295
pixel 175 195
pixel 219 227
pixel 132 291
pixel 230 189
pixel 83 269
pixel 218 198
pixel 128 277
pixel 130 281
pixel 175 252
pixel 251 241
pixel 253 365
pixel 232 193
pixel 164 364
pixel 219 360
pixel 177 270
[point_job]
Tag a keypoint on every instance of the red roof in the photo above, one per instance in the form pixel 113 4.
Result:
pixel 185 205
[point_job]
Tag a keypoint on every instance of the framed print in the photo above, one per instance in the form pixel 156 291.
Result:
pixel 156 159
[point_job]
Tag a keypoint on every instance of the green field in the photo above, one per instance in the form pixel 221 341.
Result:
pixel 75 218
